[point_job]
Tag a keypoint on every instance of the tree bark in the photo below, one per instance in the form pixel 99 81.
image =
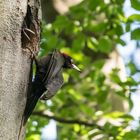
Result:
pixel 14 64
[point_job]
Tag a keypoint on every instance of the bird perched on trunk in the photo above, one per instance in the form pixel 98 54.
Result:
pixel 48 79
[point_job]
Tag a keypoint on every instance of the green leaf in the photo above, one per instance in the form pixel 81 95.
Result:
pixel 130 82
pixel 62 23
pixel 34 137
pixel 119 30
pixel 92 43
pixel 94 3
pixel 78 12
pixel 135 34
pixel 99 63
pixel 115 114
pixel 121 42
pixel 127 28
pixel 134 17
pixel 131 104
pixel 102 96
pixel 131 135
pixel 132 68
pixel 97 27
pixel 105 45
pixel 76 127
pixel 135 4
pixel 87 109
pixel 127 117
pixel 79 42
pixel 120 1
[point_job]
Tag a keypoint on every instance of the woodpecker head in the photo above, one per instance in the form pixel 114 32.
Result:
pixel 69 62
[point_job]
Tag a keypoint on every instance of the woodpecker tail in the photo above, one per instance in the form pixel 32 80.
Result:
pixel 30 105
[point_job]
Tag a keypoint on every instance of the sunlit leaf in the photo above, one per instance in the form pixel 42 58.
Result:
pixel 134 17
pixel 34 137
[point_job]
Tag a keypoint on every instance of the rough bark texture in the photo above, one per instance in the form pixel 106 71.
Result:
pixel 14 67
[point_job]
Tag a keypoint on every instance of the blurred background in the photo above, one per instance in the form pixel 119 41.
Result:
pixel 102 102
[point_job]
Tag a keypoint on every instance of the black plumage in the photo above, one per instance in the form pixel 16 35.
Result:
pixel 48 79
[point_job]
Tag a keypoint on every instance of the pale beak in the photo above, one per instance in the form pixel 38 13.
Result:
pixel 75 67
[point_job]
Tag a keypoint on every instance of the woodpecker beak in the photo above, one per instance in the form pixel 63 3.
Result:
pixel 75 67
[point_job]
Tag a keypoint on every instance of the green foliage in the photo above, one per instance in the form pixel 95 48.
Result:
pixel 105 45
pixel 135 34
pixel 134 17
pixel 88 33
pixel 135 4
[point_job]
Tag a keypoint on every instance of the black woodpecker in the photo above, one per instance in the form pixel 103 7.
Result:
pixel 48 79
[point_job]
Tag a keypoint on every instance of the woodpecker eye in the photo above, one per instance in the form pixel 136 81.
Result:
pixel 69 61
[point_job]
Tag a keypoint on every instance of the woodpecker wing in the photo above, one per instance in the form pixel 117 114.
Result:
pixel 53 86
pixel 55 65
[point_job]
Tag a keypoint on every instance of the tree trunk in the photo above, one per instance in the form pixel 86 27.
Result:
pixel 15 63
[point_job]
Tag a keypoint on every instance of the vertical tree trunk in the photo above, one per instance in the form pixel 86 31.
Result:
pixel 14 64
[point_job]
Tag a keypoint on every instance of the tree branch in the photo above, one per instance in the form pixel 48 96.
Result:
pixel 50 115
